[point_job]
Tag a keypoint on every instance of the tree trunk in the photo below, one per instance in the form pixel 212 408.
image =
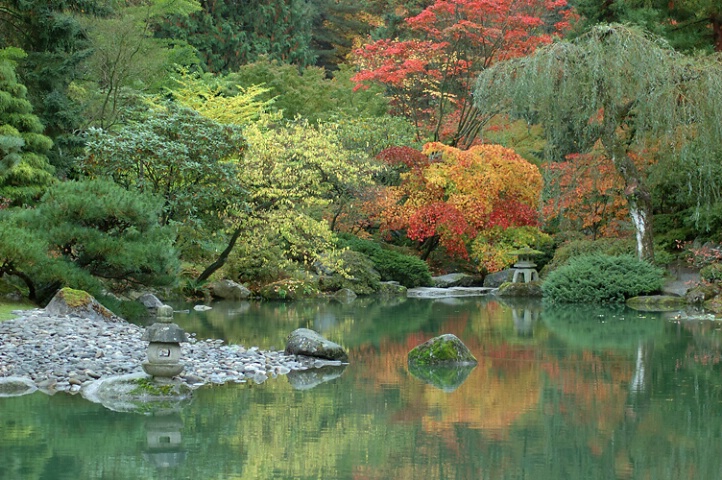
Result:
pixel 636 192
pixel 221 260
pixel 639 201
pixel 428 246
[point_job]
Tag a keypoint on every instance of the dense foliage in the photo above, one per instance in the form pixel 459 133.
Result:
pixel 429 72
pixel 269 129
pixel 598 278
pixel 92 235
pixel 616 89
pixel 24 168
pixel 449 197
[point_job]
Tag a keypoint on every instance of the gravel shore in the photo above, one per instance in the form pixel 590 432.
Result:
pixel 65 353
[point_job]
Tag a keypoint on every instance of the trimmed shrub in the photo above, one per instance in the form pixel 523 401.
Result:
pixel 408 270
pixel 599 278
pixel 604 246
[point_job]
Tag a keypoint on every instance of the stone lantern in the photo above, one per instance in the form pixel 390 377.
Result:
pixel 525 268
pixel 164 349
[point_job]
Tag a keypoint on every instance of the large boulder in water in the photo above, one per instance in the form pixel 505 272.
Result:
pixel 304 341
pixel 442 350
pixel 79 303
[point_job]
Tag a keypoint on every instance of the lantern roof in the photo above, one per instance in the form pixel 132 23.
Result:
pixel 164 333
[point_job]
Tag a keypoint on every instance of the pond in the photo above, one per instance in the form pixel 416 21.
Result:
pixel 559 393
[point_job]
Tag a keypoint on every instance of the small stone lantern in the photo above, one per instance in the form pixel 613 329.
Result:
pixel 164 349
pixel 525 268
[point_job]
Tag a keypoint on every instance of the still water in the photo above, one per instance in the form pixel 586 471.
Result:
pixel 559 393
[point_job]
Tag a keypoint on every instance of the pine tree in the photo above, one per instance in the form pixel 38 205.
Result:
pixel 24 168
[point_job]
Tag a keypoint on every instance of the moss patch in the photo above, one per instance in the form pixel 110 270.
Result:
pixel 75 298
pixel 149 387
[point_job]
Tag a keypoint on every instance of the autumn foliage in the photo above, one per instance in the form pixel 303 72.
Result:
pixel 587 194
pixel 430 73
pixel 450 196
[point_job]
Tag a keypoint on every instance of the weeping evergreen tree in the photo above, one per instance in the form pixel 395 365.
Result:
pixel 622 90
pixel 24 168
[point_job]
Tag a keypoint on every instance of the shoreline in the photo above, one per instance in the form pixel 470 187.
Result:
pixel 66 353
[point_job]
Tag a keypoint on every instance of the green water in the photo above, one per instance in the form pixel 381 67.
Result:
pixel 565 393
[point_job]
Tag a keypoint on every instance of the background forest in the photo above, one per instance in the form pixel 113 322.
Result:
pixel 324 144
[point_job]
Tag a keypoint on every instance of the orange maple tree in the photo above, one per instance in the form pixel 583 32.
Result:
pixel 430 72
pixel 449 196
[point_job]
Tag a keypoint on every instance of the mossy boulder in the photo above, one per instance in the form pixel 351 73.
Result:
pixel 79 303
pixel 656 303
pixel 442 350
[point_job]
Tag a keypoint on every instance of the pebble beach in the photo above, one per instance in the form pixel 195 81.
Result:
pixel 64 353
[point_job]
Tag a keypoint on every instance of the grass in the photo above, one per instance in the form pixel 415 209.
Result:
pixel 6 309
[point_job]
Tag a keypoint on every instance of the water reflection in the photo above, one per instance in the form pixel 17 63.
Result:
pixel 444 377
pixel 164 445
pixel 559 393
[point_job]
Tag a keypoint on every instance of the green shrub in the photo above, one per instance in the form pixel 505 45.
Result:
pixel 408 270
pixel 599 278
pixel 604 246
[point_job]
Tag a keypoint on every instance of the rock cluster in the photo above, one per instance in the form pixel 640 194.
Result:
pixel 63 353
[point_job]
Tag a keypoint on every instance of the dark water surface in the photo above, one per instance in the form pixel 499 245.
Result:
pixel 559 393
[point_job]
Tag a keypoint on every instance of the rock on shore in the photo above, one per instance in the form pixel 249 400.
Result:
pixel 64 353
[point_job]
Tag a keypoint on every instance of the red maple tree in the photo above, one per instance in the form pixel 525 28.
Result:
pixel 429 74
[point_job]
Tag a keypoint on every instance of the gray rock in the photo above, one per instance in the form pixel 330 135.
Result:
pixel 150 301
pixel 229 290
pixel 494 280
pixel 445 349
pixel 304 341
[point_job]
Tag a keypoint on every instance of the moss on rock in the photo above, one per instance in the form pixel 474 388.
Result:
pixel 444 349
